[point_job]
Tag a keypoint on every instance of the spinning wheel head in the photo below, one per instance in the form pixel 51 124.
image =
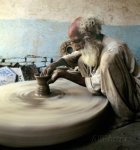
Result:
pixel 43 87
pixel 67 113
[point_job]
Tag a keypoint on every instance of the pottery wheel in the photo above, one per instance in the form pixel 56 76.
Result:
pixel 69 112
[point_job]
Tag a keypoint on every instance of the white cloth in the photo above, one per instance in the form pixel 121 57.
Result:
pixel 117 77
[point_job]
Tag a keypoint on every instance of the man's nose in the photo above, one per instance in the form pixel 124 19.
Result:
pixel 78 46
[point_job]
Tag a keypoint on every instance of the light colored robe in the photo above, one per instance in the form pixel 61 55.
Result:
pixel 117 77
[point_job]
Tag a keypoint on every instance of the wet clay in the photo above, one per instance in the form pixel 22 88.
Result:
pixel 43 88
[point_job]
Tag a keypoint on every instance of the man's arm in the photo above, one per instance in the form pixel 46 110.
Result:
pixel 49 70
pixel 68 60
pixel 73 76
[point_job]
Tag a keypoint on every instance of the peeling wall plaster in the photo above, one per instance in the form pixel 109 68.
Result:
pixel 114 12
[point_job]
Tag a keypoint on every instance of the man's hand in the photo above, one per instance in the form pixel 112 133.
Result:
pixel 48 70
pixel 58 73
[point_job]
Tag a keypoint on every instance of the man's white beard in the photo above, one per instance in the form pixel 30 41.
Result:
pixel 90 55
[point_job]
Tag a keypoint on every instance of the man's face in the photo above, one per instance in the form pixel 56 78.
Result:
pixel 76 37
pixel 77 43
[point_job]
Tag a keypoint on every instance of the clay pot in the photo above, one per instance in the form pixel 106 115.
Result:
pixel 42 87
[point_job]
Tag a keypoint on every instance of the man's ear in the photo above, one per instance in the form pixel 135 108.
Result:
pixel 66 48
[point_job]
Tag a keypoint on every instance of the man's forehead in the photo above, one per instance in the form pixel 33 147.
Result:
pixel 74 38
pixel 73 31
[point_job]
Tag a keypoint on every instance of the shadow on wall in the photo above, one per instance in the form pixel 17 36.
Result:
pixel 19 38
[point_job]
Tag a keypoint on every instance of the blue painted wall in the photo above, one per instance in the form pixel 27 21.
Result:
pixel 36 37
pixel 21 37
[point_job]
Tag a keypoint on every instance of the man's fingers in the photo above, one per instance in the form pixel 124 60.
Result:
pixel 50 81
pixel 53 77
pixel 46 71
pixel 49 71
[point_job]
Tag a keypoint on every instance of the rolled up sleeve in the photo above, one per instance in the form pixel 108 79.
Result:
pixel 72 59
pixel 93 83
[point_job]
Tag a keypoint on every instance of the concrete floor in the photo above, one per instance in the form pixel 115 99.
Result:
pixel 124 138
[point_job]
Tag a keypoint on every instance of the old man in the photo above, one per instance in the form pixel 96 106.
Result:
pixel 107 67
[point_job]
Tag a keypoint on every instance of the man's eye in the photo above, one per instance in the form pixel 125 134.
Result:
pixel 76 41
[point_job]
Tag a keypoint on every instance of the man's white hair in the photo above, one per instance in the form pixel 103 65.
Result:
pixel 90 25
